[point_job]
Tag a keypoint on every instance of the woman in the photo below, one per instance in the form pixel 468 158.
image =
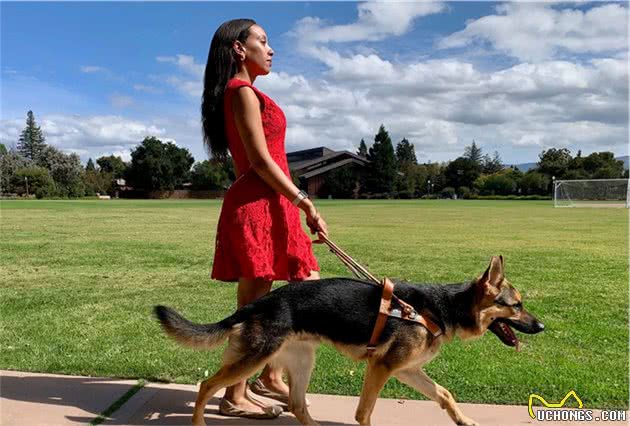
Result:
pixel 259 235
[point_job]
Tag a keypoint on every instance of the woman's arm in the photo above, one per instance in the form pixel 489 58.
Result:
pixel 246 110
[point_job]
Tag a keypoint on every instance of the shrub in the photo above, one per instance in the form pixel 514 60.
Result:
pixel 448 192
pixel 464 192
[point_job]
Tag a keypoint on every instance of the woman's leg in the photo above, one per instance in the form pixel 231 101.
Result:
pixel 248 291
pixel 272 378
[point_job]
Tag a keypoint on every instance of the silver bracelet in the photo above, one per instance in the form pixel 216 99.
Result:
pixel 299 197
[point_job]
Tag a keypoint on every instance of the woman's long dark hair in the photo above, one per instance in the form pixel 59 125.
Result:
pixel 221 66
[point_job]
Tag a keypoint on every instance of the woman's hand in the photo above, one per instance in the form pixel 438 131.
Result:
pixel 316 223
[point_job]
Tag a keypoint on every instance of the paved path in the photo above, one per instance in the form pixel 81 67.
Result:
pixel 49 399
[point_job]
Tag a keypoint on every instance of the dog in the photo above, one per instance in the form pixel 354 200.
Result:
pixel 284 328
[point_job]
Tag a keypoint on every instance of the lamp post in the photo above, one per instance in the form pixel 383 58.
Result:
pixel 429 187
pixel 26 180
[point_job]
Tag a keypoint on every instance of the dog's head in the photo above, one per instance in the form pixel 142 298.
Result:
pixel 499 306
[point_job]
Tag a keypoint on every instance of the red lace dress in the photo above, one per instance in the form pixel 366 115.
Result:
pixel 259 234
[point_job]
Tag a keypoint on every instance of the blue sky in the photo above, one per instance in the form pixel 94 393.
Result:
pixel 517 78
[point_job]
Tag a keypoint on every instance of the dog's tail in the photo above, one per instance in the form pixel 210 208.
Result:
pixel 201 336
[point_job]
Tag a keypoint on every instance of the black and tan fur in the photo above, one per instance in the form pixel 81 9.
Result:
pixel 284 328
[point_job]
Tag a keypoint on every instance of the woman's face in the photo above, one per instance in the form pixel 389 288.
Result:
pixel 256 51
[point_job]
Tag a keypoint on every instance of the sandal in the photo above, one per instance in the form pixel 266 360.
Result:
pixel 227 408
pixel 259 388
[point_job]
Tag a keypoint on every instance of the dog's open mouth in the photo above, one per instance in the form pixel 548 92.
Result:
pixel 505 333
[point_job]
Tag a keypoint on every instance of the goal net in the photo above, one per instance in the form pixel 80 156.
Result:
pixel 591 193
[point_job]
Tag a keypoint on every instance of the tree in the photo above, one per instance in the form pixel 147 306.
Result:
pixel 405 154
pixel 535 183
pixel 97 181
pixel 209 175
pixel 382 167
pixel 32 142
pixel 66 170
pixel 90 166
pixel 474 153
pixel 3 149
pixel 554 162
pixel 33 180
pixel 603 165
pixel 435 178
pixel 10 163
pixel 112 164
pixel 156 165
pixel 405 181
pixel 340 183
pixel 462 171
pixel 505 182
pixel 492 165
pixel 362 152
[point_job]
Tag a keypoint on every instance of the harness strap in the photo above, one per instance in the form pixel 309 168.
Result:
pixel 383 313
pixel 405 312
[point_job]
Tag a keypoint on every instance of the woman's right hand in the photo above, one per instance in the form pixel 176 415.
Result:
pixel 315 223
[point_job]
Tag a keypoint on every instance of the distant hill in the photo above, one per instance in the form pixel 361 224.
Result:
pixel 524 167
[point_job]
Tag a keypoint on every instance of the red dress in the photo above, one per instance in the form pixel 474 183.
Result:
pixel 259 234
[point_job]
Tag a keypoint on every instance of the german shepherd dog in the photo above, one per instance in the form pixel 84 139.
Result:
pixel 285 326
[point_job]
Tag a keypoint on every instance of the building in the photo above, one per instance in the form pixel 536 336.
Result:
pixel 311 166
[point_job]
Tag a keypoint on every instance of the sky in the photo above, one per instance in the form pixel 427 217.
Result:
pixel 515 77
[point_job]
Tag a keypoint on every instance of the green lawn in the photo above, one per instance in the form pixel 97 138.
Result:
pixel 79 279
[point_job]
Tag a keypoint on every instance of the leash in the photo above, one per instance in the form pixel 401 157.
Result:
pixel 358 270
pixel 405 312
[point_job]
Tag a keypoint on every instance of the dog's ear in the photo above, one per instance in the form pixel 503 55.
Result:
pixel 494 274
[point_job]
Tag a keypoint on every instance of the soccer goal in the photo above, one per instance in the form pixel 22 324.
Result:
pixel 591 193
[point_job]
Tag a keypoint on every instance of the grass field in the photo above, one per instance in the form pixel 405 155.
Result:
pixel 79 279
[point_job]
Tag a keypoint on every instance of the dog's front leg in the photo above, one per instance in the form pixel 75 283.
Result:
pixel 376 375
pixel 417 379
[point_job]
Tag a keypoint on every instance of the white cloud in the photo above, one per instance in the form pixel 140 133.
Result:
pixel 376 21
pixel 89 136
pixel 441 105
pixel 185 63
pixel 191 84
pixel 90 69
pixel 146 88
pixel 192 88
pixel 537 32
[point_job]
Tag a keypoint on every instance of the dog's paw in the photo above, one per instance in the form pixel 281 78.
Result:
pixel 467 421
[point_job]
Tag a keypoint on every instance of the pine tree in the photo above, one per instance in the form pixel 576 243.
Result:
pixel 473 152
pixel 382 168
pixel 405 154
pixel 32 141
pixel 90 166
pixel 362 152
pixel 492 165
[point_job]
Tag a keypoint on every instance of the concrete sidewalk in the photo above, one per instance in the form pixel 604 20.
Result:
pixel 49 399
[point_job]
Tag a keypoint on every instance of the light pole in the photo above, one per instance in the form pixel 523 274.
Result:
pixel 429 187
pixel 26 180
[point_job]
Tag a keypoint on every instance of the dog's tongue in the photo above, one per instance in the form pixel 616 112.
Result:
pixel 505 333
